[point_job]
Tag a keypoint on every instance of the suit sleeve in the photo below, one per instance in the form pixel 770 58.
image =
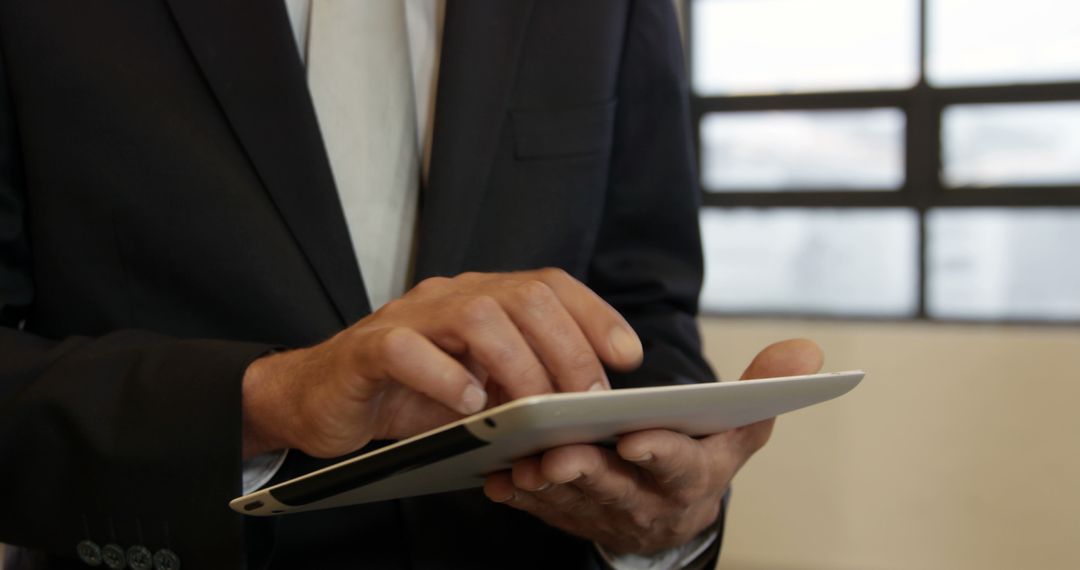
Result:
pixel 131 438
pixel 648 261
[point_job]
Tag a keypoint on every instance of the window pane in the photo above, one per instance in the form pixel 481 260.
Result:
pixel 1017 144
pixel 979 42
pixel 811 261
pixel 1004 263
pixel 777 46
pixel 803 150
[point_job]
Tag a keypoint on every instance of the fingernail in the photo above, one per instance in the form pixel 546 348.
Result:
pixel 507 499
pixel 543 487
pixel 643 459
pixel 473 399
pixel 625 344
pixel 602 384
pixel 575 477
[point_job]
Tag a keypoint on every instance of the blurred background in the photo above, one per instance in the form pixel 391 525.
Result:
pixel 900 181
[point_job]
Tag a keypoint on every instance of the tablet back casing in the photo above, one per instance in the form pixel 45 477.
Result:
pixel 460 455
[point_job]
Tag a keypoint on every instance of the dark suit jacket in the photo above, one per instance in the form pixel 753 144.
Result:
pixel 167 214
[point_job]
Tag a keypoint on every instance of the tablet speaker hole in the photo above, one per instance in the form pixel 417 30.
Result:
pixel 489 422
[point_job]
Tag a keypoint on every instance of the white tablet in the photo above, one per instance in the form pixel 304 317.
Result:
pixel 459 455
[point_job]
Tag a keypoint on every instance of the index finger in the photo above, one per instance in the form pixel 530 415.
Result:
pixel 614 341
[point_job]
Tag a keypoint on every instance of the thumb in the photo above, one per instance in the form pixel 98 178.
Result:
pixel 786 358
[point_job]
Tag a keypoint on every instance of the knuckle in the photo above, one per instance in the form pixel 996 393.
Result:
pixel 431 284
pixel 580 460
pixel 582 361
pixel 642 520
pixel 534 293
pixel 454 378
pixel 505 282
pixel 479 310
pixel 503 356
pixel 550 274
pixel 395 343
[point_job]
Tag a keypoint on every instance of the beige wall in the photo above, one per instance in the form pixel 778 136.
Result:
pixel 958 451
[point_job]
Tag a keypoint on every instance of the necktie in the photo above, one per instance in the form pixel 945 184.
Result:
pixel 360 80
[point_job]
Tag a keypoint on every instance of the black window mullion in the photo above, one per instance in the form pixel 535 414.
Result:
pixel 922 157
pixel 802 101
pixel 816 199
pixel 922 160
pixel 1011 196
pixel 1038 92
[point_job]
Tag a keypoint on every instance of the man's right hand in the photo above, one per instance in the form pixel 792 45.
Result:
pixel 444 350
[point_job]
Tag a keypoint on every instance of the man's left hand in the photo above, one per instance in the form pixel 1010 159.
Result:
pixel 659 488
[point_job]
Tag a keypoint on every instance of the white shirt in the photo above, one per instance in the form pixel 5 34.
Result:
pixel 424 22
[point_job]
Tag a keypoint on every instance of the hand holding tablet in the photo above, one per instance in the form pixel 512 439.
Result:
pixel 461 454
pixel 657 489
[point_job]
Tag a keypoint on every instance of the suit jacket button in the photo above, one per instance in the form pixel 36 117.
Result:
pixel 166 559
pixel 113 556
pixel 89 553
pixel 139 558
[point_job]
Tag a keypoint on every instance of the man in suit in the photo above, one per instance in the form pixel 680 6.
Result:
pixel 179 289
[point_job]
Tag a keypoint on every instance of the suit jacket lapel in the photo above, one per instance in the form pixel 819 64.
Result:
pixel 247 53
pixel 481 43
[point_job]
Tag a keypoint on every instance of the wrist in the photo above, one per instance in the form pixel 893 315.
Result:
pixel 261 410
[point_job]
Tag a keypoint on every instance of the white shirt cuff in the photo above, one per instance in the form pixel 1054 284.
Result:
pixel 673 559
pixel 258 471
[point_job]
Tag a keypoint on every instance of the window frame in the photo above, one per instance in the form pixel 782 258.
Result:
pixel 923 188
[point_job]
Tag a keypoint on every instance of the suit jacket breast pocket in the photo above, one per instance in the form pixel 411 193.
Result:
pixel 547 196
pixel 563 133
